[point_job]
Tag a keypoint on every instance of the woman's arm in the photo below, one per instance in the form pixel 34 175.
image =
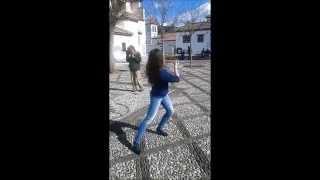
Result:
pixel 168 76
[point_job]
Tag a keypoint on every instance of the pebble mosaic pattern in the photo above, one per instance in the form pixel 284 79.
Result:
pixel 185 152
pixel 176 163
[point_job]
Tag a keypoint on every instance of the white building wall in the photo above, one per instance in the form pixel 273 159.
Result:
pixel 128 7
pixel 142 47
pixel 136 40
pixel 196 46
pixel 119 55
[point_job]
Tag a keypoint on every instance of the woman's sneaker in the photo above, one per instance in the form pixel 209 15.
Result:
pixel 136 149
pixel 159 131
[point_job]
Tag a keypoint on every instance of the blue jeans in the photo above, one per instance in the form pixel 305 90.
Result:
pixel 151 114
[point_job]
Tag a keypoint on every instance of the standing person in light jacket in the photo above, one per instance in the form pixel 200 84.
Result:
pixel 159 78
pixel 134 59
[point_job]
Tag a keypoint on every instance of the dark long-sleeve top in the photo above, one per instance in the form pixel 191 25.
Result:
pixel 162 87
pixel 134 61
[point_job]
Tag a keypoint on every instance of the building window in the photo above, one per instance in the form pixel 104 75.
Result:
pixel 124 47
pixel 186 39
pixel 200 37
pixel 154 28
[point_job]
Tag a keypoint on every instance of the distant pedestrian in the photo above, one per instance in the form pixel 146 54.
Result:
pixel 189 52
pixel 159 78
pixel 134 59
pixel 202 53
pixel 182 54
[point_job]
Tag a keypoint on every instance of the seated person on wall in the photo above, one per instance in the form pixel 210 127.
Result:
pixel 208 52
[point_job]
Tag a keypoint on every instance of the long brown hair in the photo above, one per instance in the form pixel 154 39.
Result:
pixel 155 63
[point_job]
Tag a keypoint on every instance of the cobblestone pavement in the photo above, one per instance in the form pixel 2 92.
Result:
pixel 185 153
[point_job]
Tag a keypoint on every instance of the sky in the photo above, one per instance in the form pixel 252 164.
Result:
pixel 179 5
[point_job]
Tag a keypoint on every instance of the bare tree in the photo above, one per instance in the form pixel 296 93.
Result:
pixel 190 20
pixel 162 7
pixel 116 13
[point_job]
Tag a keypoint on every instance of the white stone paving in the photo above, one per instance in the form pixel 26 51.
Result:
pixel 175 161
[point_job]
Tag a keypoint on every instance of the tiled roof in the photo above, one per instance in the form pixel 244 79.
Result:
pixel 197 26
pixel 122 32
pixel 132 17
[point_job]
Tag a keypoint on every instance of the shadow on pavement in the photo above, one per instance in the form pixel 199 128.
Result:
pixel 194 65
pixel 116 127
pixel 119 82
pixel 120 89
pixel 127 83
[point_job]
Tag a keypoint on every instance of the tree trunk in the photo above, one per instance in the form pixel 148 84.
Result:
pixel 111 58
pixel 190 53
pixel 163 56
